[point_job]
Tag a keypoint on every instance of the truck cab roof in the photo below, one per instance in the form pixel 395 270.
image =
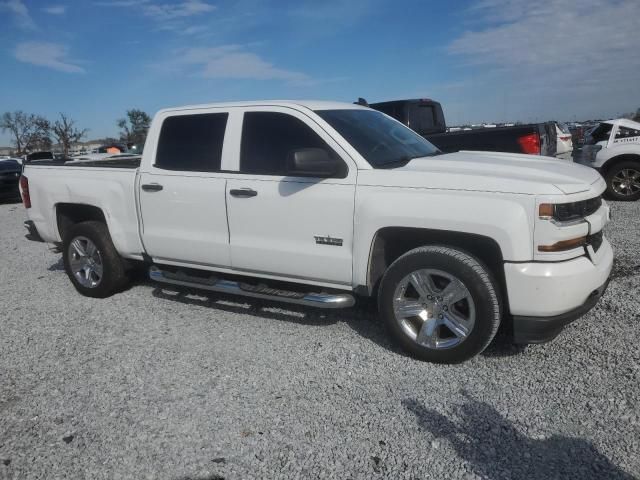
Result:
pixel 309 104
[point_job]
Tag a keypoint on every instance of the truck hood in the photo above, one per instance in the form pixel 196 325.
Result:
pixel 488 172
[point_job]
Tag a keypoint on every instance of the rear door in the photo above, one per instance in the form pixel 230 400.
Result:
pixel 282 223
pixel 182 196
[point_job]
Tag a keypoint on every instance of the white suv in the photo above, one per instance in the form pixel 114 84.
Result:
pixel 613 148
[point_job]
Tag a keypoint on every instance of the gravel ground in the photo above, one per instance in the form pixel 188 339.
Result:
pixel 154 384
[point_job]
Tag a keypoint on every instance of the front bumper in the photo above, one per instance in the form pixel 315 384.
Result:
pixel 545 329
pixel 546 296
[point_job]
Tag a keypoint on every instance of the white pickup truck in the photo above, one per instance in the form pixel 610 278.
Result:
pixel 613 148
pixel 316 203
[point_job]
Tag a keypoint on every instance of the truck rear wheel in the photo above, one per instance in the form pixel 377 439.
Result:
pixel 623 181
pixel 91 261
pixel 440 304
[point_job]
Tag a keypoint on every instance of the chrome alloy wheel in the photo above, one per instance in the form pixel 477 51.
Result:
pixel 85 262
pixel 626 182
pixel 434 308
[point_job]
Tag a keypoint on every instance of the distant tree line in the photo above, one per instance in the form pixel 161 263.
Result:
pixel 30 132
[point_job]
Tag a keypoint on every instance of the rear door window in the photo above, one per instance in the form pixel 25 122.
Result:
pixel 626 132
pixel 422 117
pixel 192 142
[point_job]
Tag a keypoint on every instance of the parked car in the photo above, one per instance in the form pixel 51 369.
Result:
pixel 316 203
pixel 37 156
pixel 564 143
pixel 425 116
pixel 10 171
pixel 613 148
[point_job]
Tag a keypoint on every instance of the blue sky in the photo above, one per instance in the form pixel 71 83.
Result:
pixel 485 60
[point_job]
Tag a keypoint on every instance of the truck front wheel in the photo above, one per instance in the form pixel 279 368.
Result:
pixel 440 304
pixel 91 261
pixel 623 180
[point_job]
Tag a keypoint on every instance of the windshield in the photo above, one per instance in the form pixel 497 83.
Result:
pixel 383 142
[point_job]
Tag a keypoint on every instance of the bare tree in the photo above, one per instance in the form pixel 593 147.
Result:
pixel 28 130
pixel 134 128
pixel 40 142
pixel 66 133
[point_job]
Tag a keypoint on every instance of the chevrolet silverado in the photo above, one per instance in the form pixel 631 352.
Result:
pixel 317 203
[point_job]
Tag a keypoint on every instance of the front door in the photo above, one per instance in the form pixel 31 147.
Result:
pixel 281 223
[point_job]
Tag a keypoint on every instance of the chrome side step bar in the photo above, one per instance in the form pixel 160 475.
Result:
pixel 215 284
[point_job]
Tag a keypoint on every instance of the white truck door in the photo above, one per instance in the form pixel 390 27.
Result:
pixel 182 195
pixel 284 221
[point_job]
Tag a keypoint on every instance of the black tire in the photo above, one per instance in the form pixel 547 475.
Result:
pixel 114 277
pixel 628 165
pixel 472 274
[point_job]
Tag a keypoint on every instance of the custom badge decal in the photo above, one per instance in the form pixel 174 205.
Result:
pixel 336 242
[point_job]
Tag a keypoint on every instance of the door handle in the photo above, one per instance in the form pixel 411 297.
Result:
pixel 243 192
pixel 152 187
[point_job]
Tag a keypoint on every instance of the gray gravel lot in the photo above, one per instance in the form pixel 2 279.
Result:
pixel 155 384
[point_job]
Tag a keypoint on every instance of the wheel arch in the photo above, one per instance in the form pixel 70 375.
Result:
pixel 613 161
pixel 389 243
pixel 69 214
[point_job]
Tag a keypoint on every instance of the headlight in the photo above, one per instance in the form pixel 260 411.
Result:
pixel 566 212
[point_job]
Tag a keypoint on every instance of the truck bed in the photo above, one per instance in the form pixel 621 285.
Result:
pixel 498 139
pixel 128 163
pixel 107 185
pixel 426 117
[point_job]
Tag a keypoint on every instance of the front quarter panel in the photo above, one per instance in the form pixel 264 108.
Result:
pixel 606 154
pixel 505 218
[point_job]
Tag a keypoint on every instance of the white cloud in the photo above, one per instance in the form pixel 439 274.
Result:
pixel 50 55
pixel 578 52
pixel 55 9
pixel 232 62
pixel 174 17
pixel 163 11
pixel 194 29
pixel 122 3
pixel 20 13
pixel 343 12
pixel 188 8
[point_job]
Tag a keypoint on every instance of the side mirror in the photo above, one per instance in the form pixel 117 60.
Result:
pixel 312 162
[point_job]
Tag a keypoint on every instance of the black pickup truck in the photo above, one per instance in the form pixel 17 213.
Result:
pixel 425 116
